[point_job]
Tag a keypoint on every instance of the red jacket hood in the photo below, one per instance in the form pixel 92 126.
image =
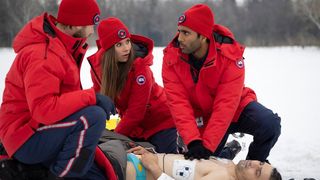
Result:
pixel 31 33
pixel 145 42
pixel 34 32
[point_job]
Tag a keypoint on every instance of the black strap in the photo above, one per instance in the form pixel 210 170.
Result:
pixel 222 39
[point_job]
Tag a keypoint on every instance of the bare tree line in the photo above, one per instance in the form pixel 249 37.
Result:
pixel 254 22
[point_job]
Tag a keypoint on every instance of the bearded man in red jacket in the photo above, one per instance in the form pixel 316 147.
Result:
pixel 46 117
pixel 203 75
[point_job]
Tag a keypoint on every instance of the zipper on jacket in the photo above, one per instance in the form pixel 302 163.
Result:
pixel 95 73
pixel 194 72
pixel 46 50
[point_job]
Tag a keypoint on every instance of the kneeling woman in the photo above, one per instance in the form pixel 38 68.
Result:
pixel 121 70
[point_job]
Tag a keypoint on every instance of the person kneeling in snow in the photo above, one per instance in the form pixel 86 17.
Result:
pixel 203 75
pixel 46 117
pixel 121 70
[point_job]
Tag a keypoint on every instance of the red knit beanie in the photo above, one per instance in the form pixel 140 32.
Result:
pixel 111 31
pixel 78 12
pixel 199 18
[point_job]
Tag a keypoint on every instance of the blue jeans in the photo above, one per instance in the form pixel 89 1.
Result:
pixel 262 124
pixel 67 147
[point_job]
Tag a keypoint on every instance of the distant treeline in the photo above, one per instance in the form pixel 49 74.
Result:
pixel 254 22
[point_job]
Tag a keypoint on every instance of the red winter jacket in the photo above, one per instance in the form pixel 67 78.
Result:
pixel 142 103
pixel 43 84
pixel 218 97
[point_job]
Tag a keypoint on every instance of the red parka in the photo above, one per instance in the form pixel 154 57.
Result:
pixel 42 86
pixel 219 95
pixel 142 103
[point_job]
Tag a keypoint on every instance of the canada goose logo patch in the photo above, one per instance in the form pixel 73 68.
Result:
pixel 96 19
pixel 122 34
pixel 141 80
pixel 240 63
pixel 181 19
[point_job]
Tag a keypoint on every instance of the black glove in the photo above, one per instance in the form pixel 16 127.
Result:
pixel 196 150
pixel 106 103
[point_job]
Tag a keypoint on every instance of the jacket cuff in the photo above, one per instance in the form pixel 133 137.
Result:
pixel 90 96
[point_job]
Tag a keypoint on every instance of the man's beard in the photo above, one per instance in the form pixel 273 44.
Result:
pixel 191 48
pixel 79 34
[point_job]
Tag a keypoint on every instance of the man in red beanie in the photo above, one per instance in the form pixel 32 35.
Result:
pixel 46 117
pixel 203 75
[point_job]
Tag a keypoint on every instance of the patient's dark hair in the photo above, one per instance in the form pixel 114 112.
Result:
pixel 275 175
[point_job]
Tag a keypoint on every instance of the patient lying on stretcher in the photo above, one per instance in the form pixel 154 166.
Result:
pixel 174 166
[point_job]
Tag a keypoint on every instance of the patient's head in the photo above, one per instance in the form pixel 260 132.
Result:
pixel 256 170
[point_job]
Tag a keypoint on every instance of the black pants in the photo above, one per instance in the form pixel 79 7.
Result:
pixel 262 124
pixel 165 141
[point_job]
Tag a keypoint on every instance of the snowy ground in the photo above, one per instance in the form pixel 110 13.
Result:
pixel 286 80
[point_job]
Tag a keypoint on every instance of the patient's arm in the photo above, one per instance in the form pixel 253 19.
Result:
pixel 150 162
pixel 130 171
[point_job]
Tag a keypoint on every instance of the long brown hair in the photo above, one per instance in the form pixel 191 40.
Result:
pixel 114 73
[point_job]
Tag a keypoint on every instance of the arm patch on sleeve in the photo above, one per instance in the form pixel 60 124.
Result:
pixel 240 63
pixel 141 80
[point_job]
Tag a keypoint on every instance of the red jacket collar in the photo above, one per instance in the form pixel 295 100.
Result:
pixel 75 46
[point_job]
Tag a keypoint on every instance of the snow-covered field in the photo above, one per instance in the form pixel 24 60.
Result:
pixel 286 80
